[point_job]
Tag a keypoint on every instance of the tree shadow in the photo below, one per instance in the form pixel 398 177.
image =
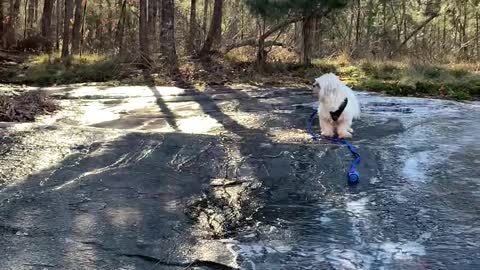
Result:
pixel 129 201
pixel 121 204
pixel 169 115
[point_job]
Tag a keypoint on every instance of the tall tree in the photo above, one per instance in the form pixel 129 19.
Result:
pixel 205 15
pixel 58 20
pixel 477 32
pixel 193 27
pixel 121 26
pixel 46 21
pixel 67 30
pixel 307 40
pixel 432 10
pixel 77 24
pixel 9 37
pixel 1 18
pixel 167 34
pixel 294 11
pixel 31 15
pixel 25 21
pixel 35 11
pixel 143 34
pixel 152 20
pixel 215 32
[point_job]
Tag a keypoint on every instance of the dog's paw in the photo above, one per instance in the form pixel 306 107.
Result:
pixel 344 134
pixel 327 133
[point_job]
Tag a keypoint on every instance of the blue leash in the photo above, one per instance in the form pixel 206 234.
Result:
pixel 353 175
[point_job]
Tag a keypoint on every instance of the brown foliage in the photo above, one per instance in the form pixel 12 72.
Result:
pixel 35 43
pixel 26 106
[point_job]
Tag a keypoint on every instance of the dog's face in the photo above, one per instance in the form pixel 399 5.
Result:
pixel 325 85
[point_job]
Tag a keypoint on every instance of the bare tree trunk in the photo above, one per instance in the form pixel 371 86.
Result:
pixel 58 23
pixel 348 44
pixel 477 33
pixel 455 28
pixel 108 38
pixel 82 30
pixel 416 30
pixel 398 24
pixel 143 34
pixel 217 38
pixel 215 32
pixel 242 23
pixel 98 32
pixel 167 34
pixel 9 38
pixel 307 41
pixel 261 52
pixel 193 27
pixel 66 30
pixel 31 16
pixel 2 26
pixel 121 26
pixel 15 11
pixel 46 26
pixel 25 22
pixel 233 21
pixel 357 24
pixel 77 24
pixel 444 34
pixel 369 26
pixel 35 14
pixel 205 15
pixel 384 27
pixel 464 46
pixel 403 21
pixel 152 20
pixel 47 19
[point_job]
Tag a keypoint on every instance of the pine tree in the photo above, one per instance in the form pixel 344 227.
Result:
pixel 297 10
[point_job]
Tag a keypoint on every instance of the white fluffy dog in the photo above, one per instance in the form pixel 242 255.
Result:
pixel 338 106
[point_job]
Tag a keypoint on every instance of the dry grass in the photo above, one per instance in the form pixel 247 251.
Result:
pixel 407 77
pixel 45 70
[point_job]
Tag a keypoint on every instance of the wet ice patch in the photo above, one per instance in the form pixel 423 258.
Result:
pixel 408 109
pixel 358 207
pixel 358 216
pixel 124 91
pixel 345 259
pixel 414 167
pixel 374 180
pixel 390 251
pixel 254 250
pixel 99 112
pixel 387 253
pixel 325 220
pixel 280 247
pixel 198 125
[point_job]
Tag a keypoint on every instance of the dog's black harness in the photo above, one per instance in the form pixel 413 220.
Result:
pixel 336 114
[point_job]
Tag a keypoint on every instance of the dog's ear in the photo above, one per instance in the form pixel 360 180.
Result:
pixel 316 88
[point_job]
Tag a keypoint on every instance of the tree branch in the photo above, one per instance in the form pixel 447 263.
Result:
pixel 414 32
pixel 280 25
pixel 252 42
